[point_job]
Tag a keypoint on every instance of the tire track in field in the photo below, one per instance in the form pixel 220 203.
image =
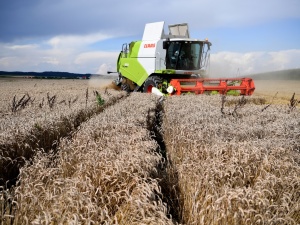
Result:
pixel 168 177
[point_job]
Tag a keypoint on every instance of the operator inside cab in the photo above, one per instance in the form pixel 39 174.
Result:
pixel 183 55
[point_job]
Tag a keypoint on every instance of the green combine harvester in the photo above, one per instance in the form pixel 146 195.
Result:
pixel 171 64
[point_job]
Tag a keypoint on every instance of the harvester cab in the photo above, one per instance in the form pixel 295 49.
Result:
pixel 171 64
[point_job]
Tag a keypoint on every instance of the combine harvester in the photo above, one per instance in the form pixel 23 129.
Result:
pixel 172 64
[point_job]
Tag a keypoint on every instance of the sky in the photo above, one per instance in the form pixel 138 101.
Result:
pixel 86 36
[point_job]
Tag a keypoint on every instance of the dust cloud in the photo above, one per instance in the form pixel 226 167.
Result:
pixel 102 83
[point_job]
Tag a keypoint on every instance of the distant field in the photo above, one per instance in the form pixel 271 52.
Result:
pixel 285 89
pixel 64 89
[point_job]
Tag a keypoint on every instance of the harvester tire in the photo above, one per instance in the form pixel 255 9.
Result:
pixel 151 82
pixel 125 87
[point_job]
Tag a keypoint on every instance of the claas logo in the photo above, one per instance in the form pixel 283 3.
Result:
pixel 152 45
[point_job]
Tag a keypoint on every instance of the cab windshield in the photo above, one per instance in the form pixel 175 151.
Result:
pixel 183 55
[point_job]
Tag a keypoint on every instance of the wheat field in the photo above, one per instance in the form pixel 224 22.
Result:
pixel 236 167
pixel 73 152
pixel 36 114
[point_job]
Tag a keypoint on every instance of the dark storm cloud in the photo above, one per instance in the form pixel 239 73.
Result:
pixel 22 19
pixel 33 18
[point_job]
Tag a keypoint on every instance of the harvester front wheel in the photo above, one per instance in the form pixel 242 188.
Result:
pixel 151 82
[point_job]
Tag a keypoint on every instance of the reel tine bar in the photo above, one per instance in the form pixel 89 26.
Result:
pixel 200 85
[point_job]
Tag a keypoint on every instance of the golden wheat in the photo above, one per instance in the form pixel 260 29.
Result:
pixel 228 161
pixel 23 134
pixel 238 168
pixel 105 174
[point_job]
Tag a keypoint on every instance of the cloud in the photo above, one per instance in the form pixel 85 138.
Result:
pixel 50 60
pixel 92 60
pixel 222 64
pixel 61 53
pixel 76 41
pixel 6 62
pixel 67 17
pixel 27 46
pixel 104 68
pixel 86 57
pixel 230 64
pixel 64 35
